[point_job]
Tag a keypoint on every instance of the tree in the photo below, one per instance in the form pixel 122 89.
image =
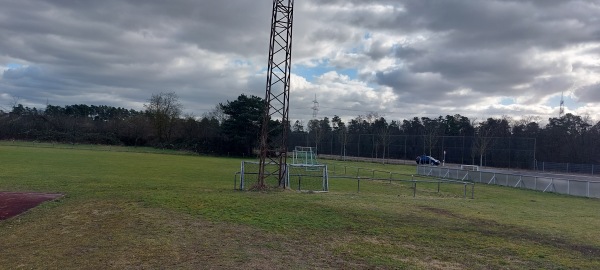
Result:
pixel 242 123
pixel 163 109
pixel 340 129
pixel 298 127
pixel 565 139
pixel 458 125
pixel 433 129
pixel 318 129
pixel 216 114
pixel 382 129
pixel 486 133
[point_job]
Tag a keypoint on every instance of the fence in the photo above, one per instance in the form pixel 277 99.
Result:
pixel 574 187
pixel 366 174
pixel 513 152
pixel 567 167
pixel 370 175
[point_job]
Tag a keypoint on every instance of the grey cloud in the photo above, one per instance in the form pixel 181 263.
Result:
pixel 120 50
pixel 378 51
pixel 426 88
pixel 589 93
pixel 483 71
pixel 408 53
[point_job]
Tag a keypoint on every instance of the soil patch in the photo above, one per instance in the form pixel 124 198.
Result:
pixel 15 203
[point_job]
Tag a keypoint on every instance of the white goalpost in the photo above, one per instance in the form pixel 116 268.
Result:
pixel 301 177
pixel 304 155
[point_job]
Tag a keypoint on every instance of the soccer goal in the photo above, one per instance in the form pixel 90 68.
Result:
pixel 301 177
pixel 249 174
pixel 305 155
pixel 469 167
pixel 308 177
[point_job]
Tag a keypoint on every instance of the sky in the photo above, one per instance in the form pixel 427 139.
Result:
pixel 397 59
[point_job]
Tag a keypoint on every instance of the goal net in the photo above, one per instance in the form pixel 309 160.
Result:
pixel 305 155
pixel 302 177
pixel 308 177
pixel 249 175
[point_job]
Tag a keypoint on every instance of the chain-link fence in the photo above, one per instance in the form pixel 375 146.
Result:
pixel 488 151
pixel 545 166
pixel 544 183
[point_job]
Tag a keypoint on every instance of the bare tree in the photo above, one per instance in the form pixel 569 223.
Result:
pixel 217 114
pixel 382 129
pixel 163 109
pixel 341 130
pixel 485 135
pixel 433 130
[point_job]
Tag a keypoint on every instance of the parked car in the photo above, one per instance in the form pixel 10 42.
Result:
pixel 427 160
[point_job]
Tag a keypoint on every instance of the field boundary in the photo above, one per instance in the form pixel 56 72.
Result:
pixel 543 183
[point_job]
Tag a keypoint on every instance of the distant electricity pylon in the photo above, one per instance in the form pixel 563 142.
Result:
pixel 315 107
pixel 562 105
pixel 273 136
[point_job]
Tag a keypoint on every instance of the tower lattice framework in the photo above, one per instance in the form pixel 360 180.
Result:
pixel 275 125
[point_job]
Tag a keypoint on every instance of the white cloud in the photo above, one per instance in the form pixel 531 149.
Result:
pixel 411 57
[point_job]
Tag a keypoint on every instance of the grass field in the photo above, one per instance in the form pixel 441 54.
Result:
pixel 151 210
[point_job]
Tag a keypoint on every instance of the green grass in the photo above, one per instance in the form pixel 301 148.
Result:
pixel 149 210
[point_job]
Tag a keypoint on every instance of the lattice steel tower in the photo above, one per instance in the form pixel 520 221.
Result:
pixel 275 125
pixel 561 111
pixel 315 107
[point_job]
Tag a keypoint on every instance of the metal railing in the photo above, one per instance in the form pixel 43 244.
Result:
pixel 543 183
pixel 362 175
pixel 366 174
pixel 545 166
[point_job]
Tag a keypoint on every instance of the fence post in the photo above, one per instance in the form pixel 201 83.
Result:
pixel 588 189
pixel 299 182
pixel 358 190
pixel 414 189
pixel 242 174
pixel 472 190
pixel 465 196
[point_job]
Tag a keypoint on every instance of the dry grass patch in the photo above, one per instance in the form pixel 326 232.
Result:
pixel 125 235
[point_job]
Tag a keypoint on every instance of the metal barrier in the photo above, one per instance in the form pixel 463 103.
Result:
pixel 574 187
pixel 366 174
pixel 567 167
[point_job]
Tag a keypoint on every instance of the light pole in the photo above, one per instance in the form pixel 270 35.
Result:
pixel 444 160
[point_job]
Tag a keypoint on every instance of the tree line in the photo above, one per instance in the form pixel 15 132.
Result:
pixel 232 128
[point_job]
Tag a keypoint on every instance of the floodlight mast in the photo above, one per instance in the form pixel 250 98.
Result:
pixel 273 136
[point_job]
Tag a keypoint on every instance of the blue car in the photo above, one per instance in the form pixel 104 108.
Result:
pixel 427 160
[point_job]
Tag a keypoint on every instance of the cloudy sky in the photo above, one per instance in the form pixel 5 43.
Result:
pixel 399 59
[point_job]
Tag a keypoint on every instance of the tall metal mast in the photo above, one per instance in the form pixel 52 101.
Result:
pixel 315 107
pixel 275 125
pixel 562 105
